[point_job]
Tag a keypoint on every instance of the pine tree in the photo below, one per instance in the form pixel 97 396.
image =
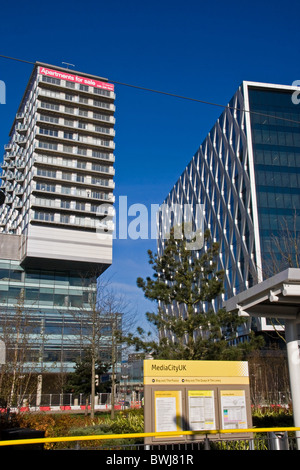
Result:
pixel 80 380
pixel 190 282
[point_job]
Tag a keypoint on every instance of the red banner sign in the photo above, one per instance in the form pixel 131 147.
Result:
pixel 76 78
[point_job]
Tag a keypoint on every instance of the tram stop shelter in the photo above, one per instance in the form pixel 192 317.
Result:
pixel 278 297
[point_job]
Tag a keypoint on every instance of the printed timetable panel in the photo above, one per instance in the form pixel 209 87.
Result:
pixel 168 411
pixel 201 410
pixel 233 406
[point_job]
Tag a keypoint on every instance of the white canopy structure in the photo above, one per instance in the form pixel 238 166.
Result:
pixel 278 297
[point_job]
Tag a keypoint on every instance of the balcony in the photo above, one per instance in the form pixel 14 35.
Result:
pixel 53 95
pixel 72 98
pixel 72 207
pixel 72 138
pixel 19 204
pixel 20 164
pixel 21 127
pixel 103 105
pixel 21 140
pixel 70 109
pixel 76 88
pixel 78 222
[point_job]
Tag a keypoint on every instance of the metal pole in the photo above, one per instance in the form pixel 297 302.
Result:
pixel 293 344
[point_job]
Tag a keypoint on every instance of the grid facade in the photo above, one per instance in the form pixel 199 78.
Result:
pixel 245 174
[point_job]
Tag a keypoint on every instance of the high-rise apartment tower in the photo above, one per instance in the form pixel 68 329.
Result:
pixel 56 222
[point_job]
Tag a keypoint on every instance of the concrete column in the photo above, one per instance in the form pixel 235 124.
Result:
pixel 292 335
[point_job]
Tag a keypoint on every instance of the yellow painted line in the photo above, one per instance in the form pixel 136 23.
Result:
pixel 41 440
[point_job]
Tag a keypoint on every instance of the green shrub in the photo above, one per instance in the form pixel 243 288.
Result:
pixel 272 417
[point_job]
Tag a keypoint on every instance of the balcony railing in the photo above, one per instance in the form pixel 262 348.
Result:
pixel 21 139
pixel 78 100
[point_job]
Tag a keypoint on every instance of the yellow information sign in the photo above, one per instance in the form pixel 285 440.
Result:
pixel 162 372
pixel 200 396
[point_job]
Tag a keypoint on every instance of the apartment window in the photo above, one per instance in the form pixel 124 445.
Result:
pixel 69 122
pixel 47 173
pixel 80 221
pixel 45 187
pixel 45 216
pixel 44 202
pixel 80 179
pixel 69 97
pixel 67 162
pixel 46 131
pixel 104 130
pixel 49 119
pixel 83 100
pixel 68 135
pixel 83 88
pixel 105 143
pixel 97 195
pixel 101 104
pixel 82 125
pixel 82 193
pixel 81 165
pixel 102 117
pixel 99 91
pixel 69 109
pixel 99 209
pixel 100 181
pixel 51 94
pixel 83 112
pixel 66 176
pixel 68 148
pixel 54 107
pixel 65 219
pixel 81 151
pixel 97 154
pixel 65 190
pixel 65 204
pixel 47 145
pixel 70 84
pixel 80 206
pixel 96 167
pixel 54 81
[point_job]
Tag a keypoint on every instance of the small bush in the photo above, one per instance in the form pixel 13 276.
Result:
pixel 272 416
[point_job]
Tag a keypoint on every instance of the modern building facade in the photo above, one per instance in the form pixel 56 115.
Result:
pixel 246 176
pixel 56 222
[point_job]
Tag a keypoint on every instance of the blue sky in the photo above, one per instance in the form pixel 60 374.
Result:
pixel 197 49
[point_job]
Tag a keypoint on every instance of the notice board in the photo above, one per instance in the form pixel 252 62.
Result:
pixel 196 396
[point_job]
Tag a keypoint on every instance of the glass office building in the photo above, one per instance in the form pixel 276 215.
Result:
pixel 276 149
pixel 246 176
pixel 56 221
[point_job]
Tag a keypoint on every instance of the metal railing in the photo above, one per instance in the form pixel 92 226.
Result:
pixel 259 439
